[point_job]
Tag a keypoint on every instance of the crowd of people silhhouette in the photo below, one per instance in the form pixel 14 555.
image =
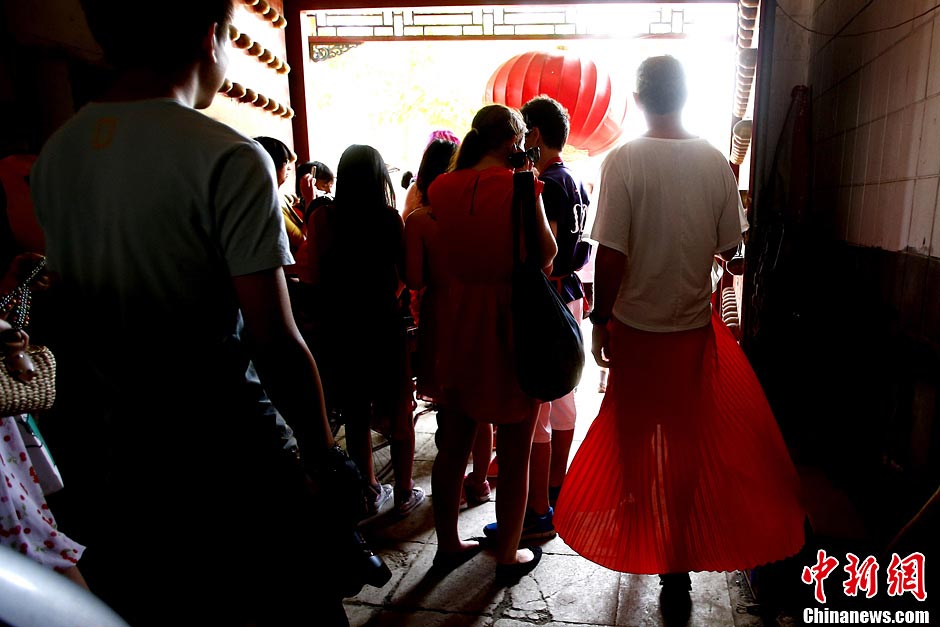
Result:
pixel 212 333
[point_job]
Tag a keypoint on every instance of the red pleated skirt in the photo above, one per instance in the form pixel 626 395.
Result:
pixel 684 468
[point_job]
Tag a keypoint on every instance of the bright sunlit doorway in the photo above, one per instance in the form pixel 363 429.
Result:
pixel 389 77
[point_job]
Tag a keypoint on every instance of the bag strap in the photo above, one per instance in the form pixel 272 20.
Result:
pixel 516 209
pixel 523 215
pixel 18 300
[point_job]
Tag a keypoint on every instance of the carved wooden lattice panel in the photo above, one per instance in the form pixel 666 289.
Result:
pixel 496 22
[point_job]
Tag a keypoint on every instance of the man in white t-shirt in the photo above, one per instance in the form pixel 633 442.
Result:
pixel 654 483
pixel 659 232
pixel 164 229
pixel 650 229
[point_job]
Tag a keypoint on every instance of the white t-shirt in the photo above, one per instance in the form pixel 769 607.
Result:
pixel 149 208
pixel 669 205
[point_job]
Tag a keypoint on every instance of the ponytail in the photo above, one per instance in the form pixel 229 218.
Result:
pixel 491 127
pixel 470 152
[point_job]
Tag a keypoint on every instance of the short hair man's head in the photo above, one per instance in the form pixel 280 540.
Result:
pixel 660 85
pixel 158 36
pixel 550 117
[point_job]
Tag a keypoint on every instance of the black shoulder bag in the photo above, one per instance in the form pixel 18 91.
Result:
pixel 547 339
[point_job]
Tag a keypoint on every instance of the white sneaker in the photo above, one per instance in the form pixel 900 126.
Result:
pixel 415 499
pixel 384 500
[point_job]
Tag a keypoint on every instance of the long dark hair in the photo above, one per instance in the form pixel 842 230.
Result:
pixel 362 181
pixel 366 244
pixel 491 127
pixel 436 160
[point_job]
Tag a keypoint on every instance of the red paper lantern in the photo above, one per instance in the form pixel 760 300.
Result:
pixel 596 110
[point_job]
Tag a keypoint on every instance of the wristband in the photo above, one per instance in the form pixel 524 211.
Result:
pixel 598 319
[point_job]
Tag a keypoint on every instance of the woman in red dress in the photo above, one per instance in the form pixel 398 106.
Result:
pixel 470 268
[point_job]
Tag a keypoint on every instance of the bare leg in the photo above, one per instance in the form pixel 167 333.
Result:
pixel 403 460
pixel 482 452
pixel 539 462
pixel 359 446
pixel 561 448
pixel 455 434
pixel 513 447
pixel 403 456
pixel 493 470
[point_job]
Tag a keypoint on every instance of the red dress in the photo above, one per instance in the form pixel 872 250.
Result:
pixel 684 468
pixel 470 265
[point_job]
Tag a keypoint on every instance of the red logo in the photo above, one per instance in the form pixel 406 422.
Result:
pixel 862 576
pixel 907 575
pixel 817 574
pixel 903 575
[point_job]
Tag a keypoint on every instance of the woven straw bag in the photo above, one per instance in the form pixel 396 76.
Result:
pixel 27 375
pixel 18 397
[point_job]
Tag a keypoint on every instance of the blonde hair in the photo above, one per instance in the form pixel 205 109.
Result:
pixel 491 127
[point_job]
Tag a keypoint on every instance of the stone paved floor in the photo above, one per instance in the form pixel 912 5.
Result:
pixel 565 589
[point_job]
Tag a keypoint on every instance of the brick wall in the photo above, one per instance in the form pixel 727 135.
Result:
pixel 845 327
